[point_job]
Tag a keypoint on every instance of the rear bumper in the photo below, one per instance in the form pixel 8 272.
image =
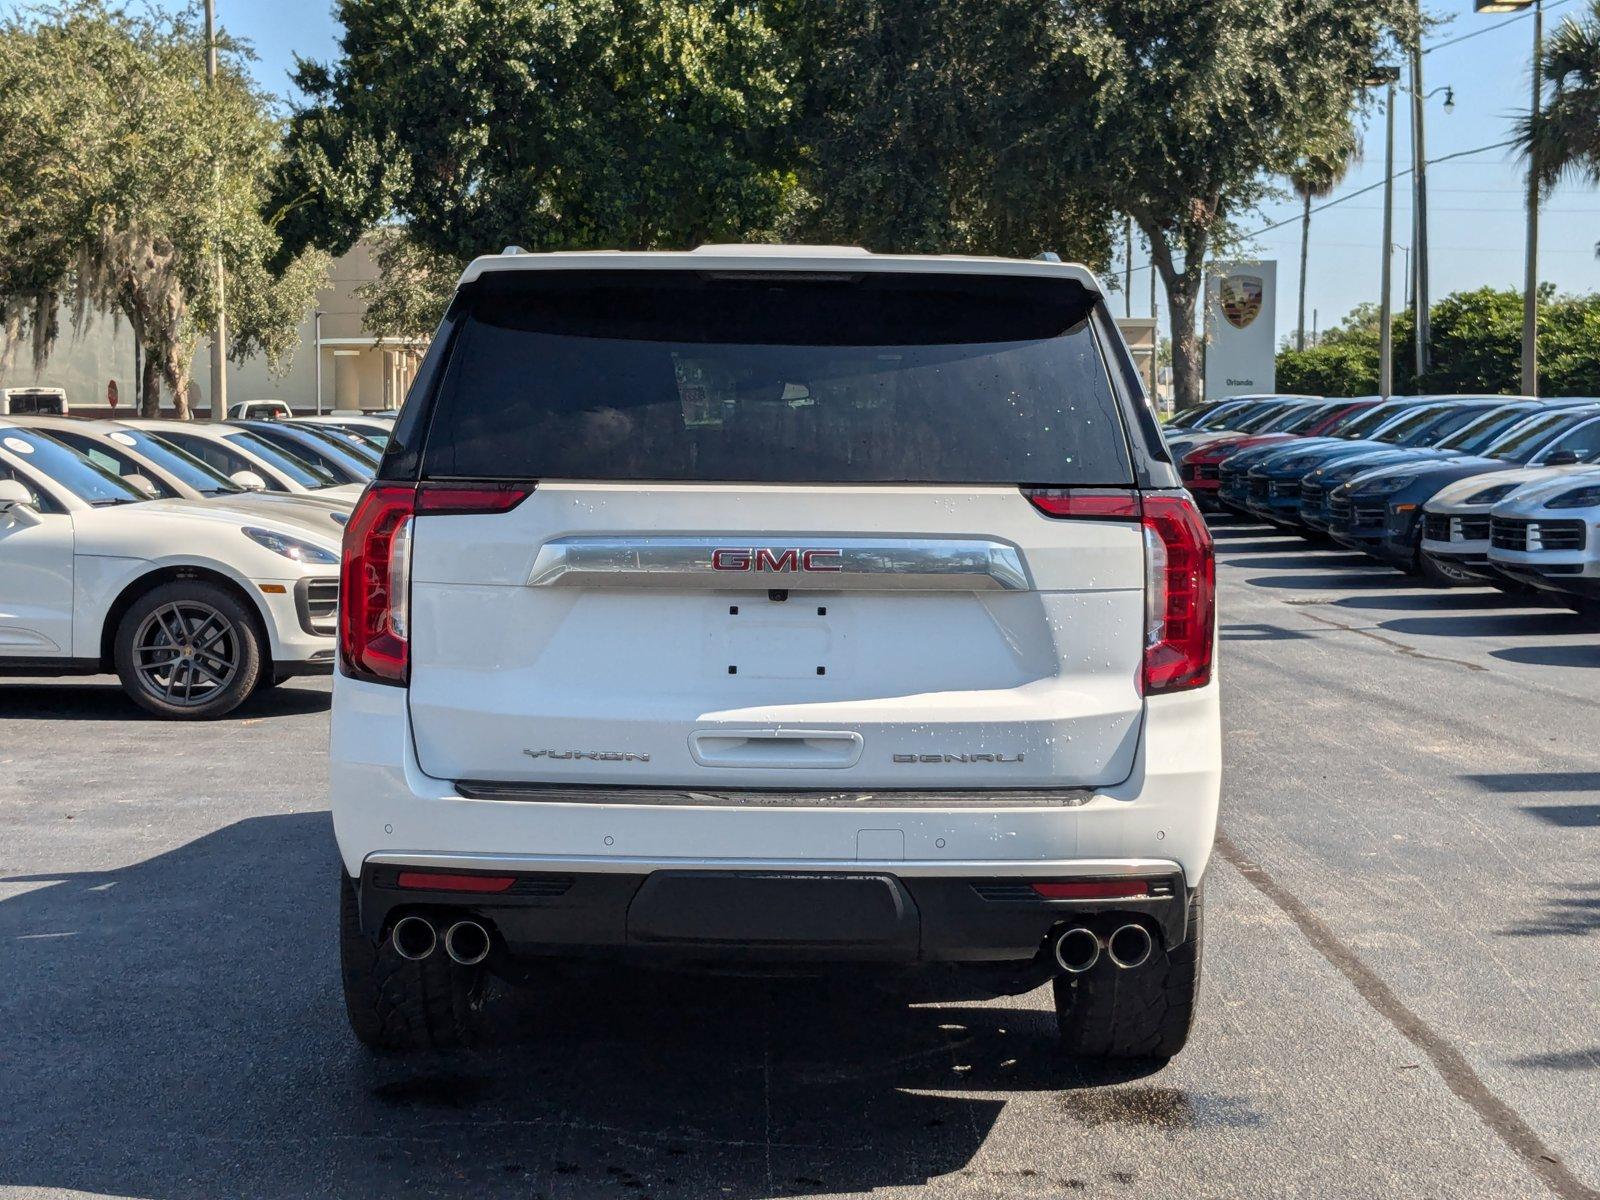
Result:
pixel 825 913
pixel 1159 822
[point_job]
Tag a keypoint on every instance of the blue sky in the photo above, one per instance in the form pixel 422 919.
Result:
pixel 1475 203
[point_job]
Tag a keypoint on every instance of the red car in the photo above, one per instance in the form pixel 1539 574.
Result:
pixel 1200 467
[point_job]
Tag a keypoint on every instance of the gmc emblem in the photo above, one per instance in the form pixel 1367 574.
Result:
pixel 765 558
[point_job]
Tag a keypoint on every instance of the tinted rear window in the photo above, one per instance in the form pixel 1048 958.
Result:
pixel 774 378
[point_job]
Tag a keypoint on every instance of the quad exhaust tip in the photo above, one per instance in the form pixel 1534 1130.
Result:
pixel 413 938
pixel 1077 950
pixel 467 943
pixel 1130 946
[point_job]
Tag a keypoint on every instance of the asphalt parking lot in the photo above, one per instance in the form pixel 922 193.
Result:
pixel 1400 999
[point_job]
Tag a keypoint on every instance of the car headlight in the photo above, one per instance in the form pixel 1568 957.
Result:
pixel 1583 497
pixel 302 552
pixel 1383 487
pixel 1490 495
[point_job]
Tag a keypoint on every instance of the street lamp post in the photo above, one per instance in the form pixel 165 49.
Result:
pixel 1386 77
pixel 1419 204
pixel 1530 277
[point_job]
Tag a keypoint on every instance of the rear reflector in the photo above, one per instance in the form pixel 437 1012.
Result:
pixel 1085 504
pixel 1110 889
pixel 435 881
pixel 471 498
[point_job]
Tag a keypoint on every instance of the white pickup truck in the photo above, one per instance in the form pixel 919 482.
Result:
pixel 783 607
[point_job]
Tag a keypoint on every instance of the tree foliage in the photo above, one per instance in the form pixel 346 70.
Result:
pixel 1564 138
pixel 568 124
pixel 122 175
pixel 909 141
pixel 1477 347
pixel 1181 112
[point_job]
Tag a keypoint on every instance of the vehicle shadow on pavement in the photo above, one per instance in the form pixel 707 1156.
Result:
pixel 1494 625
pixel 73 701
pixel 175 1028
pixel 1573 655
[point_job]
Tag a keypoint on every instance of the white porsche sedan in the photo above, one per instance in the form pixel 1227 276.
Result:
pixel 192 603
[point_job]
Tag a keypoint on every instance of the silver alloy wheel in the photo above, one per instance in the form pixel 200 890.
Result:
pixel 186 653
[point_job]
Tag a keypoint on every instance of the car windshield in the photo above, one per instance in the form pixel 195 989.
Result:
pixel 206 480
pixel 1410 423
pixel 1522 441
pixel 1218 417
pixel 360 456
pixel 1260 418
pixel 1373 419
pixel 60 463
pixel 1475 436
pixel 302 472
pixel 1345 422
pixel 1299 417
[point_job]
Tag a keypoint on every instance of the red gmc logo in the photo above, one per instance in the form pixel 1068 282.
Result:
pixel 765 558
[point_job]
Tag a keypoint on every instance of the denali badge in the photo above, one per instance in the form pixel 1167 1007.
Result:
pixel 958 758
pixel 766 558
pixel 593 755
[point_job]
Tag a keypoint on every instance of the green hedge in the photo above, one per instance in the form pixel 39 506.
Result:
pixel 1477 347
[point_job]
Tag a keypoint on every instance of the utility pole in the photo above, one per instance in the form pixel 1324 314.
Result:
pixel 1386 305
pixel 219 335
pixel 1530 281
pixel 1127 266
pixel 1419 211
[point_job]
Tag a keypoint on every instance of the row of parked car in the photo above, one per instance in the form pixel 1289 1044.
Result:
pixel 197 560
pixel 1461 490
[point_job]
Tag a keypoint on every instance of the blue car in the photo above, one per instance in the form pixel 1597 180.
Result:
pixel 1276 482
pixel 1380 511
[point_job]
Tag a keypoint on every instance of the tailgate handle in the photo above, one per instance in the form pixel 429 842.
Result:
pixel 780 748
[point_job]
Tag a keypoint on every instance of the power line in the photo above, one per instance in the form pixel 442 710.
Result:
pixel 1467 37
pixel 1323 207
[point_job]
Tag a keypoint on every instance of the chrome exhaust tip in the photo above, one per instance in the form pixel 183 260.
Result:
pixel 467 943
pixel 1130 946
pixel 413 938
pixel 1077 950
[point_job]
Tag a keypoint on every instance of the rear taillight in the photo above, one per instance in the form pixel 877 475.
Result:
pixel 1180 576
pixel 375 575
pixel 374 585
pixel 1180 595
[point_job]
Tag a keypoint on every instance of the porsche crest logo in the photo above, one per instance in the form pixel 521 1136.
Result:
pixel 1241 299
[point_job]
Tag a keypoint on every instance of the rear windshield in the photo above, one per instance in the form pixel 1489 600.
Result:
pixel 774 378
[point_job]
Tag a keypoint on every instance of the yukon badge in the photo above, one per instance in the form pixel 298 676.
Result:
pixel 592 755
pixel 958 758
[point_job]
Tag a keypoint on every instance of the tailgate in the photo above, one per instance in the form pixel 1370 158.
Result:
pixel 781 636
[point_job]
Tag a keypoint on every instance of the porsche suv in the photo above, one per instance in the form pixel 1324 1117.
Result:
pixel 801 609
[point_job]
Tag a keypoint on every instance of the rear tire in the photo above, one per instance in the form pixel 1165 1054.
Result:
pixel 397 1005
pixel 1146 1012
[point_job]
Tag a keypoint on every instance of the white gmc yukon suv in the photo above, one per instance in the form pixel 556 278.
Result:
pixel 784 608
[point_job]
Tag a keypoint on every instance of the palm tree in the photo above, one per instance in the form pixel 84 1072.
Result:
pixel 1316 175
pixel 1564 138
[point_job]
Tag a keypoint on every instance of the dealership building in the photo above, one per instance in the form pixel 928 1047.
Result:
pixel 338 366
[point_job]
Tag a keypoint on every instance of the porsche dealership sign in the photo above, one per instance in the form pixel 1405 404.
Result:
pixel 1241 336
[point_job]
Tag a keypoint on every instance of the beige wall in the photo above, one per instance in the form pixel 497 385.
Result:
pixel 374 377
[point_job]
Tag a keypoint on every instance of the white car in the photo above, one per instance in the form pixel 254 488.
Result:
pixel 794 608
pixel 231 450
pixel 374 431
pixel 165 472
pixel 1548 534
pixel 270 410
pixel 192 604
